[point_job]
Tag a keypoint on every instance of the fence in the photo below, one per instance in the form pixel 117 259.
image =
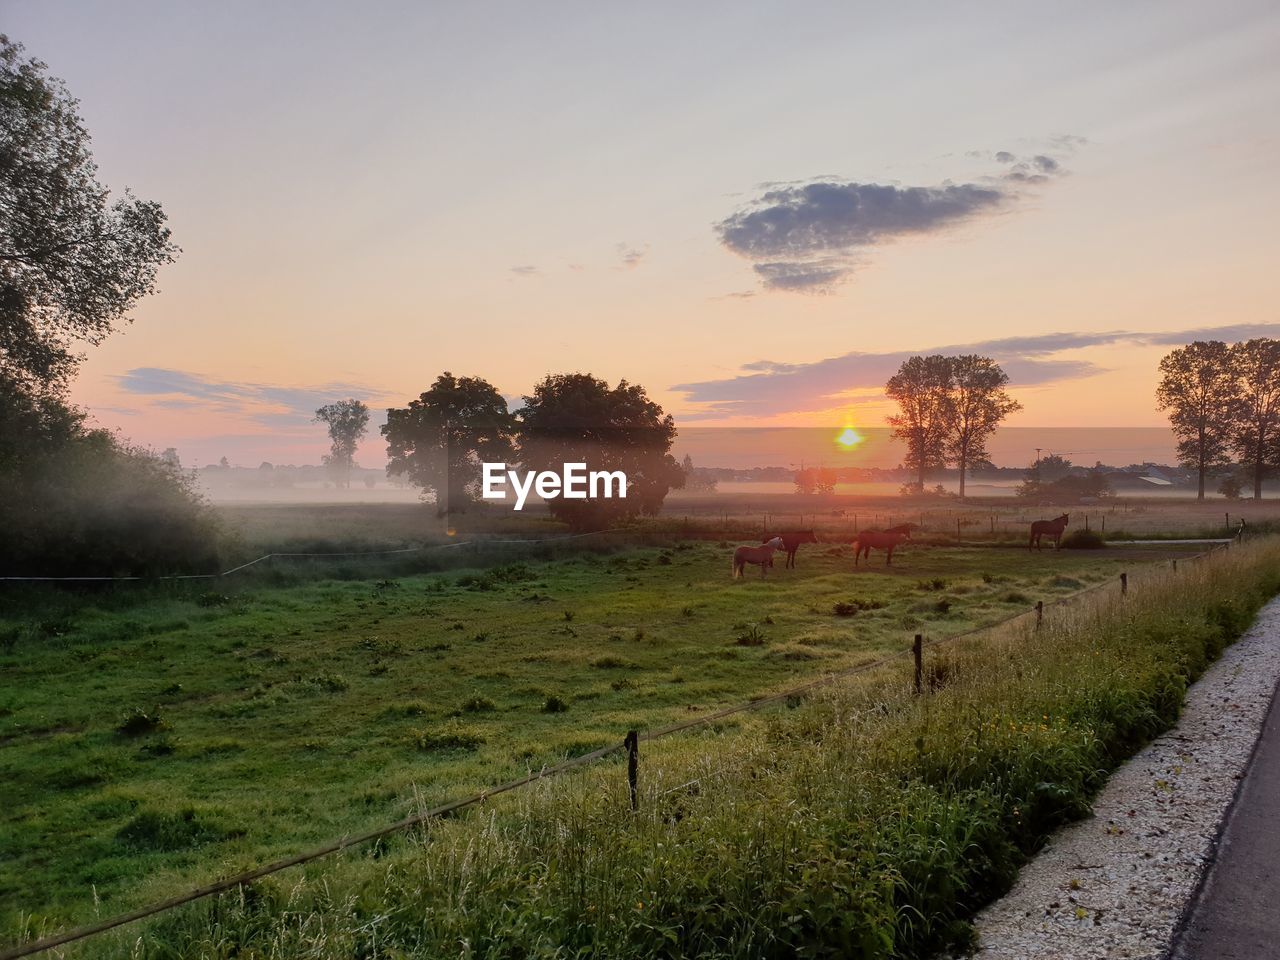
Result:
pixel 629 745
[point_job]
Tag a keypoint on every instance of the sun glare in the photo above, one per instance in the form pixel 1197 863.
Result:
pixel 849 438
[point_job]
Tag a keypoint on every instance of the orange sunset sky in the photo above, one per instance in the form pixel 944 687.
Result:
pixel 756 210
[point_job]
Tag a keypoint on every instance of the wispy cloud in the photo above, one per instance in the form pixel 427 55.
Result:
pixel 265 404
pixel 631 255
pixel 811 235
pixel 767 387
pixel 526 270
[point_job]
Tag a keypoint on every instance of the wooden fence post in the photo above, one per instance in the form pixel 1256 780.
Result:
pixel 917 650
pixel 1039 613
pixel 632 743
pixel 1124 584
pixel 1175 566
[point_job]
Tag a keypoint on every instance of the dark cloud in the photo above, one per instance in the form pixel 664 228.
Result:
pixel 808 236
pixel 266 404
pixel 767 387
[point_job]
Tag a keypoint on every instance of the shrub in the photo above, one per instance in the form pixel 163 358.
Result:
pixel 554 704
pixel 452 737
pixel 1083 540
pixel 168 832
pixel 139 723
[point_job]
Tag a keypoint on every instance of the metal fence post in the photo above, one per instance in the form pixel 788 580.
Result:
pixel 917 650
pixel 632 743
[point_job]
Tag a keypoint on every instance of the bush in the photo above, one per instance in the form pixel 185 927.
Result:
pixel 1083 540
pixel 81 502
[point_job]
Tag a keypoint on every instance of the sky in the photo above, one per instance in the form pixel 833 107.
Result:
pixel 756 210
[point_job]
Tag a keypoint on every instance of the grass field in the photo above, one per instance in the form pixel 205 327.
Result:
pixel 154 738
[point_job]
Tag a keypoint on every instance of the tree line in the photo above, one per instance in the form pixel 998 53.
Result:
pixel 1223 402
pixel 439 441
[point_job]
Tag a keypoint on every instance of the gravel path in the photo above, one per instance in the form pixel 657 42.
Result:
pixel 1117 884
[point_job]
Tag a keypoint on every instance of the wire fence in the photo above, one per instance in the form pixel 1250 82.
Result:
pixel 629 745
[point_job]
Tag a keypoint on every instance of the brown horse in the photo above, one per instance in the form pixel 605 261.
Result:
pixel 761 555
pixel 791 543
pixel 885 540
pixel 1050 528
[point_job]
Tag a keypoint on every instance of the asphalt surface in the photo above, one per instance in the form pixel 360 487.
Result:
pixel 1236 915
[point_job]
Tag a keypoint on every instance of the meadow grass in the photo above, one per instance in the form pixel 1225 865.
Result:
pixel 161 736
pixel 864 821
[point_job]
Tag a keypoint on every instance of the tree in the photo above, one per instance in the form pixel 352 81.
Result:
pixel 921 388
pixel 439 440
pixel 1198 387
pixel 1256 421
pixel 73 262
pixel 695 480
pixel 815 480
pixel 576 418
pixel 348 421
pixel 977 402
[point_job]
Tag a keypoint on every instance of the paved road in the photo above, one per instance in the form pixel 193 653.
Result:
pixel 1237 914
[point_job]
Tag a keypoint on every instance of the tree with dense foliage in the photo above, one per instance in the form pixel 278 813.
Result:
pixel 348 422
pixel 1199 388
pixel 577 418
pixel 922 388
pixel 79 502
pixel 439 440
pixel 977 403
pixel 73 262
pixel 1256 421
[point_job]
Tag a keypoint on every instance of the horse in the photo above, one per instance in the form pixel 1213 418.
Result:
pixel 762 555
pixel 791 543
pixel 884 540
pixel 1053 528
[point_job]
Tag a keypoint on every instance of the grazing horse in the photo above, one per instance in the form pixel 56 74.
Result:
pixel 1051 528
pixel 884 540
pixel 791 543
pixel 761 555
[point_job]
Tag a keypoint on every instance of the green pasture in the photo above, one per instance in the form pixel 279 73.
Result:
pixel 154 738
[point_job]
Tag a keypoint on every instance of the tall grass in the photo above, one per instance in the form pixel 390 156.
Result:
pixel 861 822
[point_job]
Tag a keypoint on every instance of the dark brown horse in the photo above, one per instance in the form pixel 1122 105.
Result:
pixel 791 543
pixel 1050 528
pixel 885 540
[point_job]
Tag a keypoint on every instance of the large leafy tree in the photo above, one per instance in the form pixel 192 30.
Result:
pixel 348 421
pixel 577 418
pixel 922 389
pixel 1199 388
pixel 1256 423
pixel 439 440
pixel 73 261
pixel 977 402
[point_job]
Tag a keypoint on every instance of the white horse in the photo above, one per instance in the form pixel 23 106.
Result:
pixel 763 555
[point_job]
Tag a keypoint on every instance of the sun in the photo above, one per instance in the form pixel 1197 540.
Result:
pixel 849 438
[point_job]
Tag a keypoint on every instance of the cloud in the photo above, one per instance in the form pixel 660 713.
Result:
pixel 809 236
pixel 526 270
pixel 632 256
pixel 268 405
pixel 768 387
